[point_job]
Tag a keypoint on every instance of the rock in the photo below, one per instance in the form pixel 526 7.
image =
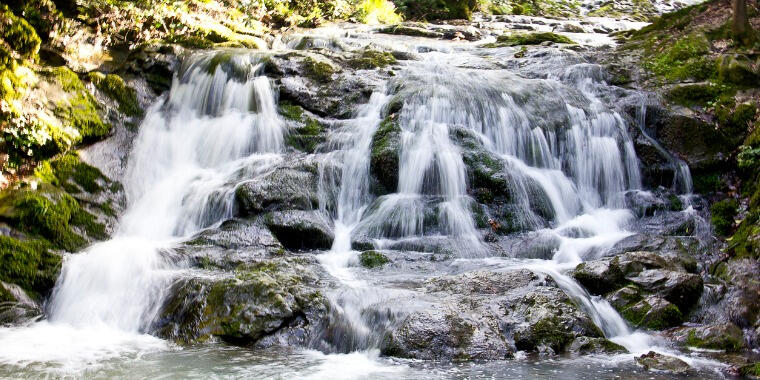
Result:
pixel 654 361
pixel 297 229
pixel 682 289
pixel 486 315
pixel 653 312
pixel 601 276
pixel 288 187
pixel 372 259
pixel 266 302
pixel 585 346
pixel 724 336
pixel 411 31
pixel 737 69
pixel 384 156
pixel 236 234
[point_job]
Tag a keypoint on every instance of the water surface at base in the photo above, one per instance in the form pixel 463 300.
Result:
pixel 226 362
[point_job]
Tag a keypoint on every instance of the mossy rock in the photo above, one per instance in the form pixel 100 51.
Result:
pixel 113 86
pixel 18 34
pixel 372 259
pixel 372 59
pixel 722 216
pixel 726 337
pixel 319 71
pixel 307 137
pixel 384 157
pixel 68 171
pixel 737 69
pixel 750 370
pixel 50 214
pixel 518 39
pixel 79 110
pixel 29 264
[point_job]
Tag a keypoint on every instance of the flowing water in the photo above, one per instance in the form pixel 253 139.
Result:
pixel 565 152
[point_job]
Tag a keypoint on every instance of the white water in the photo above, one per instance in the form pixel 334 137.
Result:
pixel 210 133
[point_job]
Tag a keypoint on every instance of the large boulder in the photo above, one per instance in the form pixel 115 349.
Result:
pixel 600 277
pixel 267 302
pixel 384 156
pixel 292 186
pixel 722 336
pixel 487 315
pixel 297 229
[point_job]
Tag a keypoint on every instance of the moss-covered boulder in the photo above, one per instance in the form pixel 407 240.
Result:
pixel 517 39
pixel 308 132
pixel 369 59
pixel 590 346
pixel 724 336
pixel 657 362
pixel 114 87
pixel 263 302
pixel 372 259
pixel 30 264
pixel 384 156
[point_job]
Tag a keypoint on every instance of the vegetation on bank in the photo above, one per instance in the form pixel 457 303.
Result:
pixel 697 57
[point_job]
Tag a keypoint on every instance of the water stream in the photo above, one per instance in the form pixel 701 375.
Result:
pixel 566 154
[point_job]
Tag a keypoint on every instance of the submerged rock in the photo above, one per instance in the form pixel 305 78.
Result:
pixel 487 315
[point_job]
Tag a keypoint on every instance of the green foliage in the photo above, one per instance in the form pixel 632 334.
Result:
pixel 517 39
pixel 372 259
pixel 377 12
pixel 748 158
pixel 752 370
pixel 113 86
pixel 28 264
pixel 436 9
pixel 723 214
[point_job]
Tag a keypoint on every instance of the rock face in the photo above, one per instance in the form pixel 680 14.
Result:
pixel 487 315
pixel 648 290
pixel 288 187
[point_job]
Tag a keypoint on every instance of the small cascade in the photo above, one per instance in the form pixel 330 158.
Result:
pixel 217 127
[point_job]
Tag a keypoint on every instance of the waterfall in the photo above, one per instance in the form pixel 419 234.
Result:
pixel 217 127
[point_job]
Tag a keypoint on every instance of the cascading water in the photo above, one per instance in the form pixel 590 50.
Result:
pixel 212 131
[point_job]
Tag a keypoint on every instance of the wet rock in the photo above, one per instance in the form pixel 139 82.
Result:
pixel 320 85
pixel 268 302
pixel 585 346
pixel 156 63
pixel 486 315
pixel 297 229
pixel 599 277
pixel 372 259
pixel 384 156
pixel 292 186
pixel 682 289
pixel 409 30
pixel 16 306
pixel 725 336
pixel 652 312
pixel 654 361
pixel 235 234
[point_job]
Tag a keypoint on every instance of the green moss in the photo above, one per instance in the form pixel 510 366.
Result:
pixel 291 111
pixel 384 157
pixel 372 59
pixel 722 216
pixel 113 86
pixel 700 94
pixel 307 137
pixel 675 203
pixel 549 331
pixel 705 183
pixel 726 342
pixel 28 264
pixel 68 168
pixel 666 317
pixel 685 58
pixel 517 39
pixel 372 259
pixel 80 109
pixel 43 217
pixel 318 70
pixel 18 34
